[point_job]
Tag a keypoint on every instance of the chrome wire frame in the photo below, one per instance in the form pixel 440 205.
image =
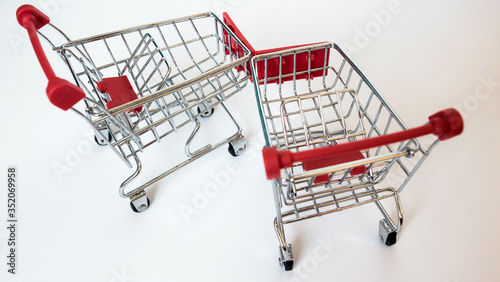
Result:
pixel 303 110
pixel 179 68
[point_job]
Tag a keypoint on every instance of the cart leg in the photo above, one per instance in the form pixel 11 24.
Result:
pixel 187 148
pixel 388 230
pixel 285 259
pixel 139 201
pixel 237 144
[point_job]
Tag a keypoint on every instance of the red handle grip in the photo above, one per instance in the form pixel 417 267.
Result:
pixel 444 124
pixel 62 93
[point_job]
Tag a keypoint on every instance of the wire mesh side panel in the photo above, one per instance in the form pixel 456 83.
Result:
pixel 191 52
pixel 323 101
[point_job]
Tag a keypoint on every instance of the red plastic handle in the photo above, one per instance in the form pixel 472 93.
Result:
pixel 444 124
pixel 62 93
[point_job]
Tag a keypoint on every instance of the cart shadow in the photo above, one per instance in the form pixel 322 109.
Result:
pixel 152 191
pixel 297 245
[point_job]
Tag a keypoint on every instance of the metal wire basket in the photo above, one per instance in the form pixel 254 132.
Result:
pixel 333 142
pixel 138 85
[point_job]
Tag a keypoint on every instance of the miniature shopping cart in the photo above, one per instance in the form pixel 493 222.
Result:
pixel 138 85
pixel 332 140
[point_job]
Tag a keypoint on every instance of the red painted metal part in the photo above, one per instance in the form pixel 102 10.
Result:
pixel 444 124
pixel 61 93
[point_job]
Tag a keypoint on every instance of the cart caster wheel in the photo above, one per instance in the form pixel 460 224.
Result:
pixel 101 141
pixel 237 146
pixel 286 258
pixel 288 265
pixel 206 113
pixel 391 239
pixel 139 205
pixel 234 153
pixel 387 234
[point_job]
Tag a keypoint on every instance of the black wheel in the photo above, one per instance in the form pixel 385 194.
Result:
pixel 288 265
pixel 135 210
pixel 207 113
pixel 391 239
pixel 102 143
pixel 231 151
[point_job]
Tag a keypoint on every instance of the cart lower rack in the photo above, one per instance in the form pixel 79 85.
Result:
pixel 138 85
pixel 333 142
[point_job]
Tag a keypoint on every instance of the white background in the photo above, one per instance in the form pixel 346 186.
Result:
pixel 428 55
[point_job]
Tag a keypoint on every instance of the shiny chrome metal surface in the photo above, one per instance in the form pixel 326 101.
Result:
pixel 310 107
pixel 175 67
